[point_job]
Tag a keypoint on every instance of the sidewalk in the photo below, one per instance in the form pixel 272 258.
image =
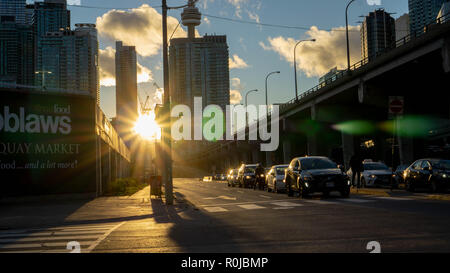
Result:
pixel 400 193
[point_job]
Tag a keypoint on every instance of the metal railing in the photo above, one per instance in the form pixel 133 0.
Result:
pixel 399 43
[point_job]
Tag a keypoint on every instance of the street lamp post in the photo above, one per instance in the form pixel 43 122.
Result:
pixel 166 130
pixel 295 64
pixel 246 98
pixel 43 73
pixel 346 32
pixel 267 100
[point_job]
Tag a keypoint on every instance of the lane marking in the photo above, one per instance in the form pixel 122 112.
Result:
pixel 224 197
pixel 392 198
pixel 265 196
pixel 215 209
pixel 322 202
pixel 99 240
pixel 356 200
pixel 283 208
pixel 243 203
pixel 287 204
pixel 251 207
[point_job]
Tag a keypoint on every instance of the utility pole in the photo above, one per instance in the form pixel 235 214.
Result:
pixel 166 133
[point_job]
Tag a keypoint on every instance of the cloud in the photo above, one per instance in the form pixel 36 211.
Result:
pixel 237 63
pixel 316 59
pixel 206 20
pixel 140 27
pixel 74 2
pixel 108 68
pixel 235 92
pixel 235 97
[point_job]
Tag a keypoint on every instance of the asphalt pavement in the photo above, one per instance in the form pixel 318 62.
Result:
pixel 209 217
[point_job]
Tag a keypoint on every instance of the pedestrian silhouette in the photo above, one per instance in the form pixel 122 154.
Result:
pixel 357 167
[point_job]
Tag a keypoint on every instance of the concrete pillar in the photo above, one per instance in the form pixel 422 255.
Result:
pixel 406 149
pixel 348 148
pixel 287 154
pixel 269 162
pixel 312 138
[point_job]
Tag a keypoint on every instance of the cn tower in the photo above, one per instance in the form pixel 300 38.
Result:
pixel 191 18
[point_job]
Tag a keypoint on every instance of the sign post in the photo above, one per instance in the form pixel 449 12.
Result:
pixel 396 110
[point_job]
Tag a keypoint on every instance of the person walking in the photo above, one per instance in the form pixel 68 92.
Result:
pixel 259 177
pixel 357 167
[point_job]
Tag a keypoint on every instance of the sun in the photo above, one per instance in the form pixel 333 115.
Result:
pixel 147 127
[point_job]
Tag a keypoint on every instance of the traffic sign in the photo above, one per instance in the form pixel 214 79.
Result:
pixel 396 106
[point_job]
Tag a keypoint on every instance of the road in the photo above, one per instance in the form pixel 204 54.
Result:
pixel 257 221
pixel 209 217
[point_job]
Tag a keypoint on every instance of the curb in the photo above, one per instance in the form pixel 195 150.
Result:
pixel 389 193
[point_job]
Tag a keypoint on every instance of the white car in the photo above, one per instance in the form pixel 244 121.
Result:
pixel 375 174
pixel 275 178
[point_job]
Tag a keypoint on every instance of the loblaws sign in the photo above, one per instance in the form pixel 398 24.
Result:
pixel 47 143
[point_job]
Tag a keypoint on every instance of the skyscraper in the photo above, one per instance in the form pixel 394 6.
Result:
pixel 14 9
pixel 126 90
pixel 377 33
pixel 72 58
pixel 16 52
pixel 422 13
pixel 199 66
pixel 48 16
pixel 402 27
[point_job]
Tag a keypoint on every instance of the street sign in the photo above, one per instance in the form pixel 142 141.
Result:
pixel 396 106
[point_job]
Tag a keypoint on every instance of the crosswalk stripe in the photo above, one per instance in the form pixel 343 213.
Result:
pixel 392 198
pixel 43 239
pixel 287 204
pixel 215 209
pixel 265 196
pixel 356 200
pixel 251 207
pixel 322 202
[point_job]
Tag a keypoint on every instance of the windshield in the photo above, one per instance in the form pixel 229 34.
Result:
pixel 401 168
pixel 441 164
pixel 317 164
pixel 280 170
pixel 375 166
pixel 249 169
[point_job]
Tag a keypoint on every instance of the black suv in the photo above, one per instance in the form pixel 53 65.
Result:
pixel 247 175
pixel 433 174
pixel 315 174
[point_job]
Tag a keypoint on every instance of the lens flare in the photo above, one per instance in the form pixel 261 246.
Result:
pixel 355 127
pixel 147 127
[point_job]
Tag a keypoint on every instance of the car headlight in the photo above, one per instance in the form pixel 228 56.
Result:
pixel 373 176
pixel 444 175
pixel 248 177
pixel 307 178
pixel 306 184
pixel 348 182
pixel 262 175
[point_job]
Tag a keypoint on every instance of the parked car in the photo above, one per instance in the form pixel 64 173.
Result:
pixel 398 174
pixel 275 178
pixel 232 178
pixel 307 175
pixel 247 176
pixel 375 174
pixel 207 178
pixel 433 174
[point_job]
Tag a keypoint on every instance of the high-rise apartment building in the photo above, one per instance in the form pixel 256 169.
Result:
pixel 126 90
pixel 377 33
pixel 402 27
pixel 422 13
pixel 16 52
pixel 71 59
pixel 15 9
pixel 199 66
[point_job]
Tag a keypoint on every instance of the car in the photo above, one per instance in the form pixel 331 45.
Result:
pixel 247 175
pixel 433 174
pixel 232 180
pixel 375 174
pixel 311 174
pixel 275 178
pixel 207 179
pixel 398 173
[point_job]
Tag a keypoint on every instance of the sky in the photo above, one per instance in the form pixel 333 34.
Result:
pixel 254 50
